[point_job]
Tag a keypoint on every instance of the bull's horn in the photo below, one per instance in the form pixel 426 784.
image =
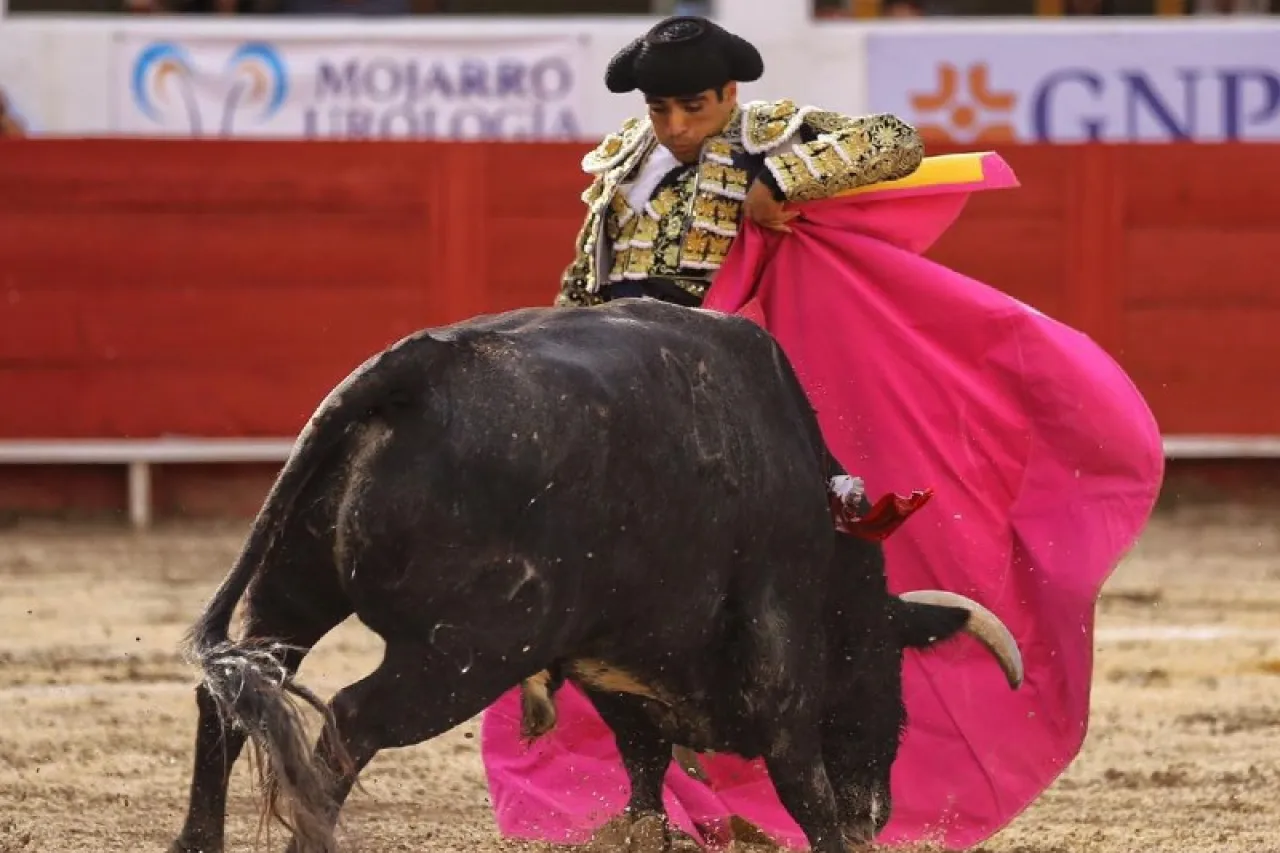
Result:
pixel 983 625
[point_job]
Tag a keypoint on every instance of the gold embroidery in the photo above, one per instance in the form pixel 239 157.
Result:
pixel 695 287
pixel 580 283
pixel 646 232
pixel 669 256
pixel 716 215
pixel 826 121
pixel 790 172
pixel 622 227
pixel 723 180
pixel 719 150
pixel 687 229
pixel 620 219
pixel 664 202
pixel 859 151
pixel 573 284
pixel 616 146
pixel 824 159
pixel 592 192
pixel 705 250
pixel 609 163
pixel 654 247
pixel 766 124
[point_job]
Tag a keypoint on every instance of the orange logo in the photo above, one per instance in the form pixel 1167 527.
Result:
pixel 975 115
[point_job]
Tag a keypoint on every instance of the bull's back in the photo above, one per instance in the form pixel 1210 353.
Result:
pixel 699 408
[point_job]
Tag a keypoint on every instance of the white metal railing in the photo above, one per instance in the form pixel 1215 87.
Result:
pixel 138 455
pixel 1222 447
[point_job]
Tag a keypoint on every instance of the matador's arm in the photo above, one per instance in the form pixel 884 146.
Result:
pixel 834 152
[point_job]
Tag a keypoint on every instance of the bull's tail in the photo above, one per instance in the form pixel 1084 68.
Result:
pixel 250 681
pixel 254 690
pixel 926 617
pixel 251 686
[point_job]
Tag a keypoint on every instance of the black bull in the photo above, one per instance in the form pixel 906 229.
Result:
pixel 635 496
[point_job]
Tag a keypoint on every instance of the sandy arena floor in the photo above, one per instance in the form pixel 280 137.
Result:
pixel 96 714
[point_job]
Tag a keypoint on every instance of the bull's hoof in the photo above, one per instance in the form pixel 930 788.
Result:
pixel 647 833
pixel 181 846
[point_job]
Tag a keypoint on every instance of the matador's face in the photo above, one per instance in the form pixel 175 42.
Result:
pixel 683 123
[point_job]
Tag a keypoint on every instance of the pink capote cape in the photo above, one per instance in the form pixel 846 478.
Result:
pixel 1045 462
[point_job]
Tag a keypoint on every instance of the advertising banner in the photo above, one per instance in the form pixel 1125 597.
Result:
pixel 483 88
pixel 1207 83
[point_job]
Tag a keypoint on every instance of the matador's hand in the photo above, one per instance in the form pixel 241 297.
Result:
pixel 762 208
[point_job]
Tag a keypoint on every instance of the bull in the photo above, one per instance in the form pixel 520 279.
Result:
pixel 635 497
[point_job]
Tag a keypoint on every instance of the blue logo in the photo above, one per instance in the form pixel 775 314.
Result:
pixel 252 83
pixel 1180 104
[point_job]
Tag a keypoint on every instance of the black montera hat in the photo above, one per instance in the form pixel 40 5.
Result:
pixel 682 55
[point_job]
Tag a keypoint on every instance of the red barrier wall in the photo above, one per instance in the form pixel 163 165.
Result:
pixel 221 288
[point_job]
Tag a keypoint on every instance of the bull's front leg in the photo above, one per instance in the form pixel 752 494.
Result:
pixel 784 666
pixel 800 778
pixel 643 826
pixel 864 804
pixel 859 764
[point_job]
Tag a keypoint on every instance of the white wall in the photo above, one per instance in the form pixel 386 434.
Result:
pixel 56 68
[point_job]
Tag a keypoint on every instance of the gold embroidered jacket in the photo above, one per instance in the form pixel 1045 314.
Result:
pixel 685 229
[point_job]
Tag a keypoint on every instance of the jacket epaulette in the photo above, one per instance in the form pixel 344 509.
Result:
pixel 766 124
pixel 616 146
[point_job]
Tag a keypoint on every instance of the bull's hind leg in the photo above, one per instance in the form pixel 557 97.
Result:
pixel 416 693
pixel 217 748
pixel 289 627
pixel 646 754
